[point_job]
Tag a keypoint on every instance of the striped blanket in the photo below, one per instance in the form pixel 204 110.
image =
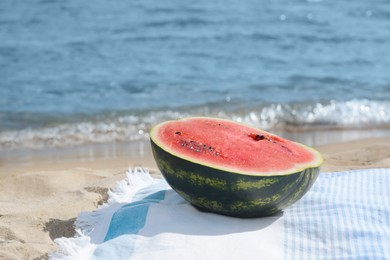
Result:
pixel 346 215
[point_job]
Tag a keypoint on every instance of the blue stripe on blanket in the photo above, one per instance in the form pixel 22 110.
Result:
pixel 131 217
pixel 344 216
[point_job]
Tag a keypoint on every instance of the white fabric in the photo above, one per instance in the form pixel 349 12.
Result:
pixel 346 215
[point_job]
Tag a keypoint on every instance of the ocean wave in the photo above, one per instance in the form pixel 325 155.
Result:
pixel 342 114
pixel 353 114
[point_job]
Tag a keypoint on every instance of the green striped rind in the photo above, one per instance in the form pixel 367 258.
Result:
pixel 232 194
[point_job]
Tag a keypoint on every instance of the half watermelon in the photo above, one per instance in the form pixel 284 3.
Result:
pixel 231 168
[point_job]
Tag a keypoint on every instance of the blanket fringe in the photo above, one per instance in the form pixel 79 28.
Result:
pixel 125 191
pixel 73 248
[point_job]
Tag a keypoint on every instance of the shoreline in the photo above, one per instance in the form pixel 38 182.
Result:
pixel 43 191
pixel 138 152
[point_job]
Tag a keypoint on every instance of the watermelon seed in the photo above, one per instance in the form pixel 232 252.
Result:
pixel 178 133
pixel 257 137
pixel 199 148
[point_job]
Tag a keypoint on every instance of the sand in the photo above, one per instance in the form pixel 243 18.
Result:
pixel 42 192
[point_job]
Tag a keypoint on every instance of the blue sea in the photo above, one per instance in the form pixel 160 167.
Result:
pixel 77 72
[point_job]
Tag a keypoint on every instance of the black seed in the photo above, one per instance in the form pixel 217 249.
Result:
pixel 178 133
pixel 259 137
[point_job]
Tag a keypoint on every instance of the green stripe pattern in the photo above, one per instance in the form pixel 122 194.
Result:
pixel 229 193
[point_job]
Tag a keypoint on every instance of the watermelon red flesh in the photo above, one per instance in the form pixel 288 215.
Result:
pixel 235 147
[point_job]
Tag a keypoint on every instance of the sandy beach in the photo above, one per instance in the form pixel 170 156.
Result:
pixel 82 84
pixel 42 192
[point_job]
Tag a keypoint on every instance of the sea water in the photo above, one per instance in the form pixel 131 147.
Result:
pixel 75 72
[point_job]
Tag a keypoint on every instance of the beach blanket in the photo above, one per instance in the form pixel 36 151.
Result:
pixel 346 215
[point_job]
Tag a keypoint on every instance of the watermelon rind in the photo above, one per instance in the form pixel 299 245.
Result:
pixel 233 193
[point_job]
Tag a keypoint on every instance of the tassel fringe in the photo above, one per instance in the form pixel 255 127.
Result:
pixel 128 190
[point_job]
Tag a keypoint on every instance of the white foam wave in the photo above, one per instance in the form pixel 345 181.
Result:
pixel 333 114
pixel 349 114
